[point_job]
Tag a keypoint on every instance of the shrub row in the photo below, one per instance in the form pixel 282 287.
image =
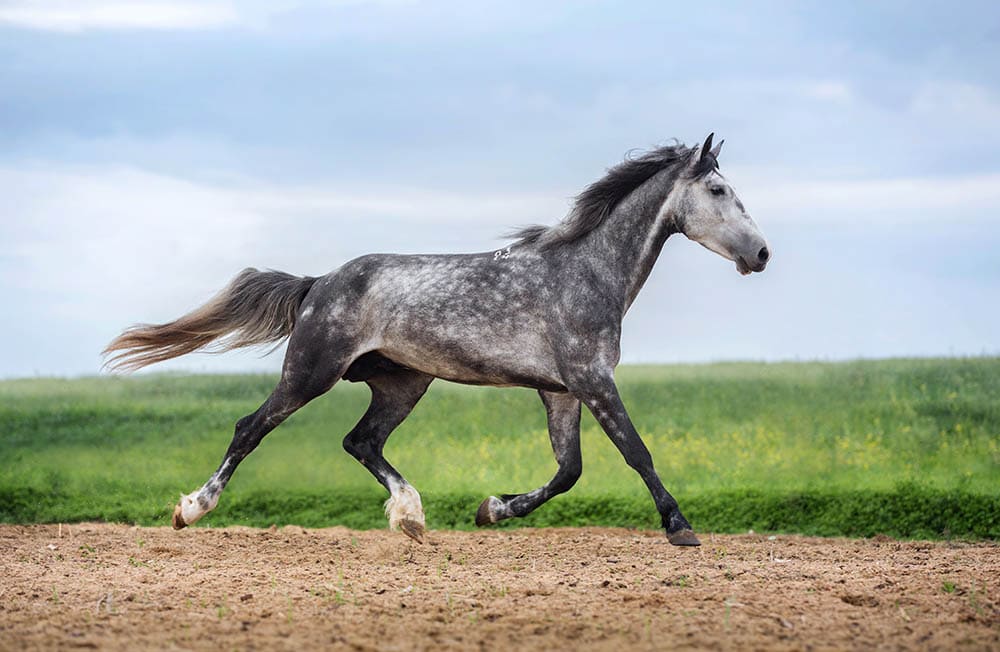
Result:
pixel 908 511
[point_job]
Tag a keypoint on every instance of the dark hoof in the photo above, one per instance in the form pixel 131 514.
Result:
pixel 483 516
pixel 683 538
pixel 178 519
pixel 412 529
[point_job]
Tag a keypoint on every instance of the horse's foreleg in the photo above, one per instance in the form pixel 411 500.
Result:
pixel 393 396
pixel 606 405
pixel 563 412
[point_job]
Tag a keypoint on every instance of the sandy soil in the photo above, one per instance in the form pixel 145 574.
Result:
pixel 119 587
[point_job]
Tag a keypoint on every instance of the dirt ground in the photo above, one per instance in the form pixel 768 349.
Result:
pixel 120 587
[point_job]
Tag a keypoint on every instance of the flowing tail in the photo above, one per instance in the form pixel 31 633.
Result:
pixel 255 308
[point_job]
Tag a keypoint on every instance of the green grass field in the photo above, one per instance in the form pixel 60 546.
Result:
pixel 907 448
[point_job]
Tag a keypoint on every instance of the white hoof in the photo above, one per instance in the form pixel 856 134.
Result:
pixel 405 512
pixel 189 510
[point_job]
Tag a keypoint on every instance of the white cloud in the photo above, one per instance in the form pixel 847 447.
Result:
pixel 834 91
pixel 947 101
pixel 74 230
pixel 80 15
pixel 912 200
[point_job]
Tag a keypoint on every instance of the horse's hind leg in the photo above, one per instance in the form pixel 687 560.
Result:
pixel 297 387
pixel 564 431
pixel 394 393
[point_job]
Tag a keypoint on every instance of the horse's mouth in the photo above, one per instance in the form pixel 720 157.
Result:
pixel 744 268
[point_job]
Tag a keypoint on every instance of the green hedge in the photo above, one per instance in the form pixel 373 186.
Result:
pixel 909 511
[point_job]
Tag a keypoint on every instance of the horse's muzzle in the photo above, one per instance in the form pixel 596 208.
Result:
pixel 744 266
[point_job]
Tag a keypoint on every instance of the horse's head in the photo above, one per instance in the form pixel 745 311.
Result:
pixel 706 209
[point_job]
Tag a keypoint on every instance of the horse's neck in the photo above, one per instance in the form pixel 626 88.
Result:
pixel 626 246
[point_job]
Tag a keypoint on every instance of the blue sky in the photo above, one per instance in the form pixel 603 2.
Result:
pixel 149 150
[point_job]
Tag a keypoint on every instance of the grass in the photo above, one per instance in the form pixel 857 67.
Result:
pixel 901 447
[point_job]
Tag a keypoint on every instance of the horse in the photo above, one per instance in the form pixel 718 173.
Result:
pixel 544 312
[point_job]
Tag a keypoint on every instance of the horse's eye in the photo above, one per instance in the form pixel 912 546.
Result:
pixel 718 191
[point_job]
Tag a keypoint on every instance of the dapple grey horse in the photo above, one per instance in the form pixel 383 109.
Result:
pixel 544 312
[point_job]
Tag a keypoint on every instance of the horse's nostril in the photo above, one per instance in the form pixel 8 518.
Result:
pixel 763 254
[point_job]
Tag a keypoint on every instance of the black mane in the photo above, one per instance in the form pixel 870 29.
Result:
pixel 599 199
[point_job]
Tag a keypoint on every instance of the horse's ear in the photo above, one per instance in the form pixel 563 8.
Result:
pixel 707 147
pixel 717 149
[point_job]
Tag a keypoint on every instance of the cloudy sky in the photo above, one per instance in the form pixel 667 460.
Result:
pixel 150 150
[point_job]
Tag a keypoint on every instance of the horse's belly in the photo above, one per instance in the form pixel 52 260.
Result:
pixel 481 360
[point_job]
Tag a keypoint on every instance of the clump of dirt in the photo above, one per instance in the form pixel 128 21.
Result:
pixel 120 587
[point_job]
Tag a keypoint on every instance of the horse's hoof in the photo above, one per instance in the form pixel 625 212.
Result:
pixel 683 538
pixel 483 514
pixel 412 529
pixel 178 519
